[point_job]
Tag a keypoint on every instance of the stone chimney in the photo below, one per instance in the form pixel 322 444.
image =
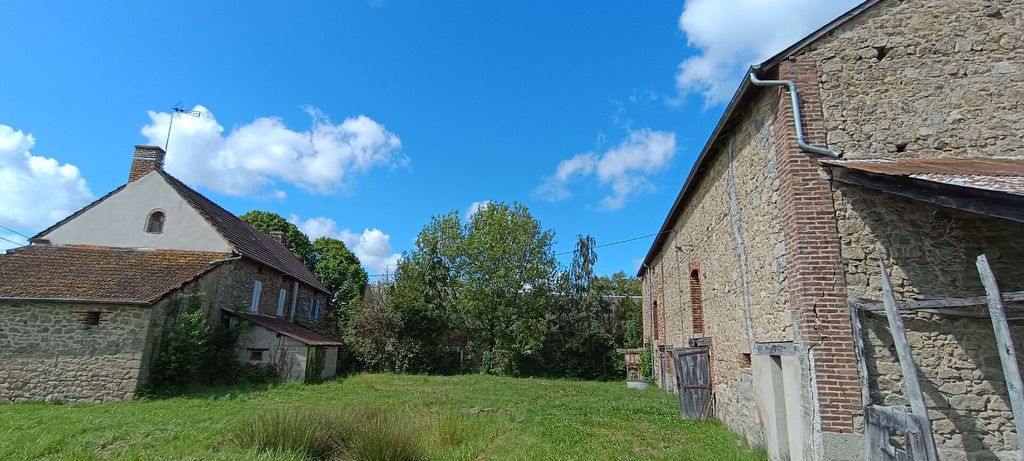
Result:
pixel 277 235
pixel 146 160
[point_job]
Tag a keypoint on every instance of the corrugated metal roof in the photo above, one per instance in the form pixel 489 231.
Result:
pixel 291 330
pixel 996 174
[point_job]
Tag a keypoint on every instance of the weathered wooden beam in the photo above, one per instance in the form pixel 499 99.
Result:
pixel 951 303
pixel 1007 355
pixel 982 201
pixel 862 364
pixel 907 365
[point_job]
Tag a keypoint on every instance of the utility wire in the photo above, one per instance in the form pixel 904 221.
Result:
pixel 12 241
pixel 16 232
pixel 617 243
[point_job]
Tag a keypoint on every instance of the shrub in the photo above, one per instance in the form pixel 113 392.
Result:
pixel 366 434
pixel 197 352
pixel 646 366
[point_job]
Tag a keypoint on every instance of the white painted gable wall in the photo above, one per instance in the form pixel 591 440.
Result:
pixel 120 221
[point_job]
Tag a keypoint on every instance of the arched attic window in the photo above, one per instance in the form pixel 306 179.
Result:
pixel 155 222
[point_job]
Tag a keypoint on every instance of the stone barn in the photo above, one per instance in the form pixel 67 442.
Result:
pixel 83 308
pixel 891 136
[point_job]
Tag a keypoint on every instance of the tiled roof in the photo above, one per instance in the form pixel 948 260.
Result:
pixel 288 329
pixel 995 174
pixel 91 273
pixel 248 241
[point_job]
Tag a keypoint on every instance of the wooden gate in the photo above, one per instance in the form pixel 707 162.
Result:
pixel 693 380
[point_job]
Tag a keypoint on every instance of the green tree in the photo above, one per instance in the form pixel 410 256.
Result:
pixel 426 285
pixel 579 344
pixel 507 273
pixel 293 238
pixel 340 271
pixel 626 323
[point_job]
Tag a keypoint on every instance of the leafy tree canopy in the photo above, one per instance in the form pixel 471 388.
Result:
pixel 294 239
pixel 339 270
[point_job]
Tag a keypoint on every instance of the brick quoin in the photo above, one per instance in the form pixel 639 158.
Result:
pixel 696 303
pixel 817 288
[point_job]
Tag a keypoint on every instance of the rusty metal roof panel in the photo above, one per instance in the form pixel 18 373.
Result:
pixel 996 174
pixel 286 328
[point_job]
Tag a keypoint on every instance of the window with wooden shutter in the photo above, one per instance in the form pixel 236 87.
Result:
pixel 257 287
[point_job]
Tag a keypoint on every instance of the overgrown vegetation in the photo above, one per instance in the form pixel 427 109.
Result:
pixel 357 434
pixel 195 351
pixel 469 417
pixel 488 296
pixel 482 295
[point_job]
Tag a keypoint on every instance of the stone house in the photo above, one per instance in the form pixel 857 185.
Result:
pixel 907 151
pixel 83 307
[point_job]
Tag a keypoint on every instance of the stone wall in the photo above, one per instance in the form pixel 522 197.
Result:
pixel 925 78
pixel 733 211
pixel 930 252
pixel 230 286
pixel 47 353
pixel 961 378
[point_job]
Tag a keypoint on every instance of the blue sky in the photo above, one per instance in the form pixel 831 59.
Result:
pixel 361 120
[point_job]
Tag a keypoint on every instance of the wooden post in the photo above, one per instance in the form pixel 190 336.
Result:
pixel 910 379
pixel 1006 353
pixel 858 341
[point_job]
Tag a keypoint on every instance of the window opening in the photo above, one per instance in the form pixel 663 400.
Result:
pixel 155 222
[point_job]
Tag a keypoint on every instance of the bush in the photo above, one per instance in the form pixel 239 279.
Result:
pixel 366 434
pixel 646 364
pixel 197 352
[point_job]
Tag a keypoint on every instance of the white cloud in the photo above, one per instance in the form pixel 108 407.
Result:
pixel 623 168
pixel 254 158
pixel 35 191
pixel 733 34
pixel 372 246
pixel 475 207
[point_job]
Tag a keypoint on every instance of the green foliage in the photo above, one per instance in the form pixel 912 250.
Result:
pixel 315 366
pixel 293 238
pixel 365 434
pixel 340 271
pixel 646 367
pixel 488 296
pixel 633 323
pixel 194 351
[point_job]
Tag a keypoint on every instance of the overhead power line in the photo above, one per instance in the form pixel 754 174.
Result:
pixel 617 243
pixel 16 232
pixel 12 241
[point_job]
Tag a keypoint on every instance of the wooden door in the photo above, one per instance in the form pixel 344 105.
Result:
pixel 693 380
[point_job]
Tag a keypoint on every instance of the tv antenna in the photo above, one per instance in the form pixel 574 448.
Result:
pixel 178 110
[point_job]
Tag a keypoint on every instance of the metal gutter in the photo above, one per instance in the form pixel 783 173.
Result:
pixel 798 121
pixel 727 116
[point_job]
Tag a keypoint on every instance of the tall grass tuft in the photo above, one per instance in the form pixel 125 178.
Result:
pixel 361 434
pixel 385 436
pixel 448 430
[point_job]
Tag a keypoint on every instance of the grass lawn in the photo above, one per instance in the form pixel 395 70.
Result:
pixel 458 418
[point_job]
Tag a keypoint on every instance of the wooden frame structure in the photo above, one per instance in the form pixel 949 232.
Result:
pixel 881 422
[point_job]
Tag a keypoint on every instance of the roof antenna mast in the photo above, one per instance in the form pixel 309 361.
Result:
pixel 177 110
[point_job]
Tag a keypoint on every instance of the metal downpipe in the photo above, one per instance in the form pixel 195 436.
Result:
pixel 801 139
